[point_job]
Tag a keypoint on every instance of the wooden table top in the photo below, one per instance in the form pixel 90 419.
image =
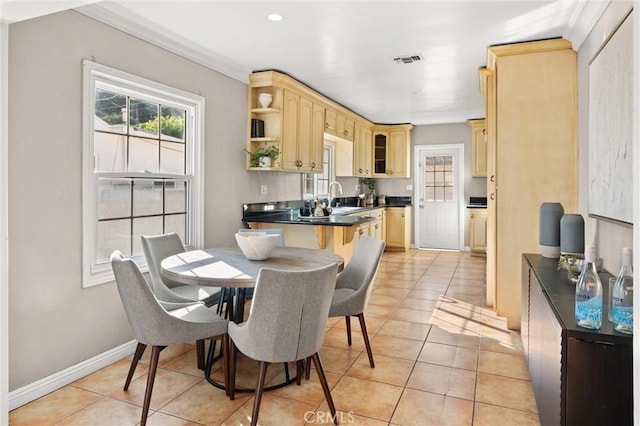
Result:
pixel 228 267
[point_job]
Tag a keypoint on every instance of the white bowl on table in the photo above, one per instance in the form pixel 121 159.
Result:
pixel 256 245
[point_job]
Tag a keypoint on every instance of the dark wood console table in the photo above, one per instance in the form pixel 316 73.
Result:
pixel 579 376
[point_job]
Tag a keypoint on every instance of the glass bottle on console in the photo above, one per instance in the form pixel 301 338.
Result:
pixel 589 293
pixel 622 300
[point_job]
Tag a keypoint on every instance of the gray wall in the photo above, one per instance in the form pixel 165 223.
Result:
pixel 54 323
pixel 608 237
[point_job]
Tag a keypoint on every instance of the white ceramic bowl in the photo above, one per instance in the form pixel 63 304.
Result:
pixel 257 245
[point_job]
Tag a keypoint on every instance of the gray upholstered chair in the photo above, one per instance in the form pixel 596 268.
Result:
pixel 354 286
pixel 153 325
pixel 157 248
pixel 287 323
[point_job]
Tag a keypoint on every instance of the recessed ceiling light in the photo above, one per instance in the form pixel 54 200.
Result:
pixel 275 17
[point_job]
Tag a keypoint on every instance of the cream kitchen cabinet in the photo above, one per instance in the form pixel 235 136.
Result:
pixel 478 147
pixel 299 119
pixel 392 151
pixel 531 114
pixel 302 135
pixel 478 230
pixel 398 228
pixel 362 148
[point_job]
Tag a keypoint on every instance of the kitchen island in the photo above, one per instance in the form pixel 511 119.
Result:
pixel 337 233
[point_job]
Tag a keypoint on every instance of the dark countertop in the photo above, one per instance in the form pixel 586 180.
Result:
pixel 561 295
pixel 287 212
pixel 289 219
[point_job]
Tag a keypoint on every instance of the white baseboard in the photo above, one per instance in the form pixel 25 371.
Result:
pixel 62 378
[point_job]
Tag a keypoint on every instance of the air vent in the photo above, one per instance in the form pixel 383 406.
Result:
pixel 409 59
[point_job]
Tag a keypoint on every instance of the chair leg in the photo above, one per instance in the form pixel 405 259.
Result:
pixel 262 374
pixel 151 377
pixel 307 373
pixel 365 335
pixel 298 371
pixel 233 357
pixel 200 353
pixel 348 321
pixel 225 361
pixel 134 363
pixel 325 386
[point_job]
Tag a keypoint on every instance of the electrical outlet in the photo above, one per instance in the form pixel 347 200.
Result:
pixel 263 189
pixel 409 187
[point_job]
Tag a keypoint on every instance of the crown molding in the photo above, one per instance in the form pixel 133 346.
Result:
pixel 116 16
pixel 584 18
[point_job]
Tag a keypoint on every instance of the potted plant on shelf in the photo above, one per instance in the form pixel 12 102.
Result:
pixel 264 156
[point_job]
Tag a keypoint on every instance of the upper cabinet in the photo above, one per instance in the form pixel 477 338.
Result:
pixel 295 119
pixel 392 151
pixel 362 149
pixel 302 133
pixel 478 147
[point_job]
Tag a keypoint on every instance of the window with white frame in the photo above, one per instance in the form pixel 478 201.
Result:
pixel 317 184
pixel 142 171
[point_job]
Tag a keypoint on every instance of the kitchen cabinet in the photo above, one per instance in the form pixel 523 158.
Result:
pixel 392 151
pixel 338 124
pixel 478 148
pixel 531 107
pixel 362 149
pixel 299 119
pixel 478 230
pixel 579 376
pixel 398 228
pixel 302 134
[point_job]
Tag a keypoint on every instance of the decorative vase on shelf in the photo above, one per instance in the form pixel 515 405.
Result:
pixel 550 216
pixel 572 234
pixel 265 99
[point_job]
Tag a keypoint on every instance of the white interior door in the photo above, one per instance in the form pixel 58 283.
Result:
pixel 440 195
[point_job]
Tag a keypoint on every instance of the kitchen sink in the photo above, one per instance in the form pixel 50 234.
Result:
pixel 344 210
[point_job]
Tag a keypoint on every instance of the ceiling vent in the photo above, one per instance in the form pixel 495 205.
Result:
pixel 409 59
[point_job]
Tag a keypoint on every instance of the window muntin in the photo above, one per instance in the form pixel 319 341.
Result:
pixel 142 166
pixel 438 178
pixel 317 184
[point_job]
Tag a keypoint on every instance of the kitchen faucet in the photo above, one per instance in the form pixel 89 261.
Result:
pixel 339 189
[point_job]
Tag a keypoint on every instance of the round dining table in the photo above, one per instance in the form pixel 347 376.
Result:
pixel 228 268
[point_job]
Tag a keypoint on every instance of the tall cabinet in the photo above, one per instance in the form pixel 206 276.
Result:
pixel 531 114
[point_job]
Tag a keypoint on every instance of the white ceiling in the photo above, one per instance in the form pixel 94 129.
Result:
pixel 345 49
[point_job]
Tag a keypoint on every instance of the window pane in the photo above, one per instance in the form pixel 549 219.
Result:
pixel 114 198
pixel 177 223
pixel 113 235
pixel 172 124
pixel 448 193
pixel 110 111
pixel 110 152
pixel 430 193
pixel 143 118
pixel 143 155
pixel 439 193
pixel 147 197
pixel 175 194
pixel 439 178
pixel 145 226
pixel 430 178
pixel 448 178
pixel 172 158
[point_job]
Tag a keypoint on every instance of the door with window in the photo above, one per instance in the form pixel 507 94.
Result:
pixel 439 193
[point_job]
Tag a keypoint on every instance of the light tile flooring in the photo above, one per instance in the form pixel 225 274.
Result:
pixel 441 359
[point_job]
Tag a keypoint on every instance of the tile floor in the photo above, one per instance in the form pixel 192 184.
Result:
pixel 441 359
